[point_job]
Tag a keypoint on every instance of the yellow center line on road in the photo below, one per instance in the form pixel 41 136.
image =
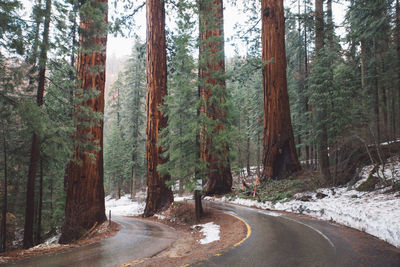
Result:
pixel 248 230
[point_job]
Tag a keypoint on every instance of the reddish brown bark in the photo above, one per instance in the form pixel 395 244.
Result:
pixel 85 189
pixel 280 158
pixel 212 56
pixel 35 148
pixel 159 196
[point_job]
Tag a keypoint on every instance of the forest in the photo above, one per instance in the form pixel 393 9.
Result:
pixel 308 97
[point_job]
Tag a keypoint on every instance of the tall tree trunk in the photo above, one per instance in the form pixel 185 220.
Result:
pixel 258 154
pixel 397 36
pixel 280 157
pixel 376 95
pixel 322 136
pixel 306 106
pixel 39 216
pixel 4 206
pixel 211 72
pixel 85 189
pixel 35 148
pixel 159 196
pixel 34 55
pixel 248 167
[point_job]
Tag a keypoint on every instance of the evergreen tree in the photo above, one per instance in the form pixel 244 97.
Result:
pixel 214 147
pixel 35 149
pixel 181 106
pixel 133 112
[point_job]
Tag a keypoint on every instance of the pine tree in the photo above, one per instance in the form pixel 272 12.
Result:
pixel 35 149
pixel 181 106
pixel 213 138
pixel 320 89
pixel 133 113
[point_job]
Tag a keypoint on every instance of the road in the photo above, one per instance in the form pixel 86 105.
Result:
pixel 276 239
pixel 136 240
pixel 279 239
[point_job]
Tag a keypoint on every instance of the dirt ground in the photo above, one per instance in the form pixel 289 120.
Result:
pixel 187 249
pixel 102 232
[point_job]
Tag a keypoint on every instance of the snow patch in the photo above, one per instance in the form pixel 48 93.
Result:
pixel 210 231
pixel 182 198
pixel 160 217
pixel 52 240
pixel 124 206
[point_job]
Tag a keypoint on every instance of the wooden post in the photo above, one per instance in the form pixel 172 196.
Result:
pixel 109 218
pixel 197 204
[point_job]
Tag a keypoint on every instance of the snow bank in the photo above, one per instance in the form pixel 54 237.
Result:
pixel 182 198
pixel 124 206
pixel 376 213
pixel 210 231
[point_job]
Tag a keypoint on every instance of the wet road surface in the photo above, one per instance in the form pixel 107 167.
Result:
pixel 136 240
pixel 279 239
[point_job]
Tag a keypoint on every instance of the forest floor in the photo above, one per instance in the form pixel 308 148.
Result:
pixel 97 234
pixel 369 204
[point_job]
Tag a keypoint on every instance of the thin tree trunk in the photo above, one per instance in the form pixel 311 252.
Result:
pixel 85 189
pixel 248 147
pixel 4 211
pixel 40 206
pixel 159 196
pixel 322 136
pixel 34 56
pixel 258 154
pixel 306 106
pixel 35 148
pixel 397 36
pixel 376 96
pixel 211 68
pixel 280 157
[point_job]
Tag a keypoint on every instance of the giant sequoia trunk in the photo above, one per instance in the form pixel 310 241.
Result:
pixel 212 83
pixel 35 147
pixel 280 158
pixel 159 196
pixel 85 189
pixel 322 136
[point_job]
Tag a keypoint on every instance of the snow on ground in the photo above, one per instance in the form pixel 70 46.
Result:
pixel 376 213
pixel 124 206
pixel 160 217
pixel 182 198
pixel 210 231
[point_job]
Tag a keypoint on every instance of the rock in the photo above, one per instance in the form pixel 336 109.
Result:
pixel 305 198
pixel 320 195
pixel 369 184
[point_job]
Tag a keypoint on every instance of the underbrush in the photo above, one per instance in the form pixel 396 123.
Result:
pixel 275 190
pixel 182 213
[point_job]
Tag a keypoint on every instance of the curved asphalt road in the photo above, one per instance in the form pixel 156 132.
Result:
pixel 136 240
pixel 279 239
